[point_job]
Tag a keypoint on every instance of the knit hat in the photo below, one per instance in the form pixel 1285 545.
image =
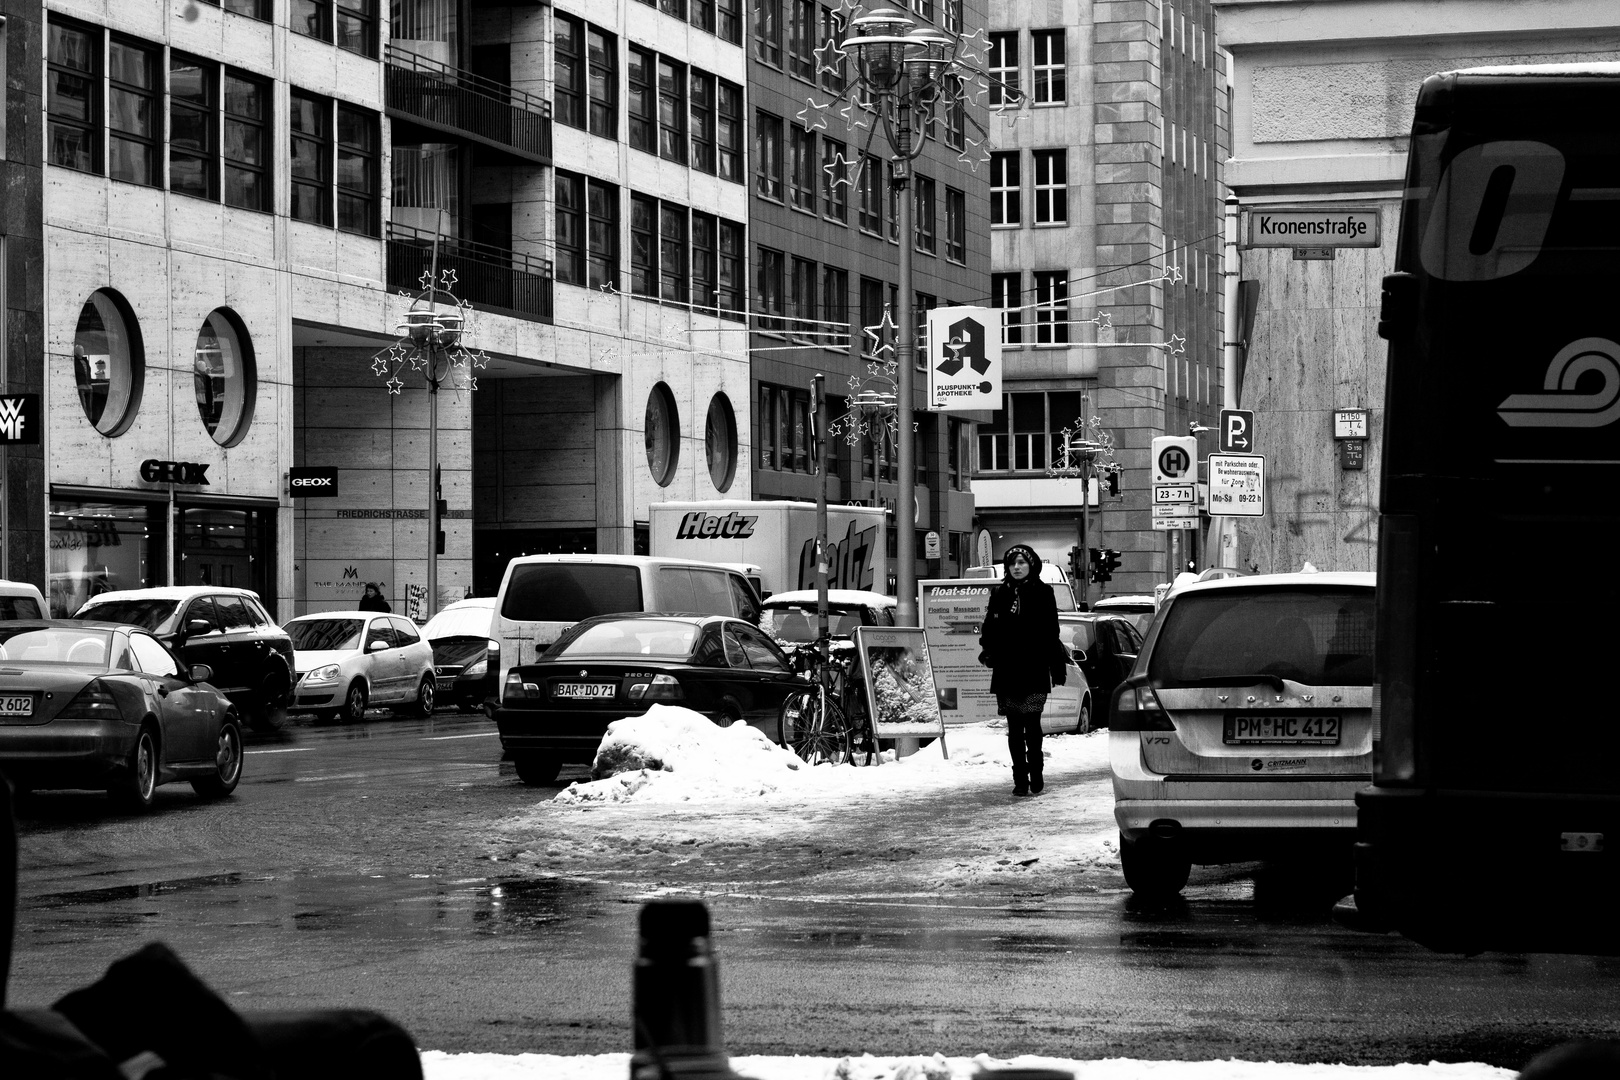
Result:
pixel 1029 555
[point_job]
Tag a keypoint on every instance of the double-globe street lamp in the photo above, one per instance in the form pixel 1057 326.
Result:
pixel 900 68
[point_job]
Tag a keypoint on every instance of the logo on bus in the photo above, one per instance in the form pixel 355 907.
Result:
pixel 1558 404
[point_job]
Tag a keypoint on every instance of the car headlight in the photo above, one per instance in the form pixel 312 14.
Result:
pixel 329 673
pixel 480 668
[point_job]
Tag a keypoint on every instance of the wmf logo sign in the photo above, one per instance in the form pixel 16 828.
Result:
pixel 19 419
pixel 964 359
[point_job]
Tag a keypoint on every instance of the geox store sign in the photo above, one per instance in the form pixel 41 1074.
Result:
pixel 701 526
pixel 312 481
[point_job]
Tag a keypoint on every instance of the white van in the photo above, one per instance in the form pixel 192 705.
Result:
pixel 20 600
pixel 543 595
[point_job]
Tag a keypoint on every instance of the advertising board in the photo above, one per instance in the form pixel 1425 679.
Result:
pixel 900 690
pixel 951 611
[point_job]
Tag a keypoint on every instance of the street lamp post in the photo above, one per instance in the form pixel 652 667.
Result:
pixel 899 65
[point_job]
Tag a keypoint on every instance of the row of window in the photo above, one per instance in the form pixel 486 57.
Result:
pixel 1048 68
pixel 678 112
pixel 1049 304
pixel 105 104
pixel 722 18
pixel 784 426
pixel 1050 189
pixel 806 181
pixel 348 24
pixel 1026 433
pixel 810 24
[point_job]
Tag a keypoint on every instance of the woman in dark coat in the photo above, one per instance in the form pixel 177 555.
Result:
pixel 1019 642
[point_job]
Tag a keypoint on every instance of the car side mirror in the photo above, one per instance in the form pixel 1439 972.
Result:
pixel 376 645
pixel 1079 655
pixel 201 673
pixel 197 626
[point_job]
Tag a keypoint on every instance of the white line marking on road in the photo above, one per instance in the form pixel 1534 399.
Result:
pixel 286 750
pixel 474 735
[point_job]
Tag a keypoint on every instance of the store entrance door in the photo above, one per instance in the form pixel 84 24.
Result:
pixel 225 545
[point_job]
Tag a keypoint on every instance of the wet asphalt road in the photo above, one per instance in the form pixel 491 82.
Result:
pixel 357 866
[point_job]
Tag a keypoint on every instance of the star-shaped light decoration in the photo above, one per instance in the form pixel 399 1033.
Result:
pixel 837 170
pixel 435 339
pixel 813 117
pixel 1084 444
pixel 395 385
pixel 1171 273
pixel 1176 345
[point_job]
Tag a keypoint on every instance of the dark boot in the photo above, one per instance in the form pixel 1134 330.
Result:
pixel 1015 749
pixel 1034 756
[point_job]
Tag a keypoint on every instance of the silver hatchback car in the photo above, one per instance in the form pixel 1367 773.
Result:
pixel 1245 728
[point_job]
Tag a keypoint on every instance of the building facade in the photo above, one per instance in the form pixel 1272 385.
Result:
pixel 826 252
pixel 1105 198
pixel 1322 109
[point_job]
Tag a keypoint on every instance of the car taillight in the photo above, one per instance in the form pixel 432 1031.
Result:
pixel 661 688
pixel 95 702
pixel 516 689
pixel 1137 708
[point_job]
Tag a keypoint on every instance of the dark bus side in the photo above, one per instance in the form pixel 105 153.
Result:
pixel 1494 818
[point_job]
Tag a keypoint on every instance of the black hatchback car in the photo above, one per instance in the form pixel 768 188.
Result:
pixel 1105 648
pixel 227 629
pixel 557 709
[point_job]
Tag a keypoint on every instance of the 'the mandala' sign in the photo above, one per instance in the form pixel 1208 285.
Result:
pixel 964 359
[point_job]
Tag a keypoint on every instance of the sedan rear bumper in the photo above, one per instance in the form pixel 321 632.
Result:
pixel 66 753
pixel 570 734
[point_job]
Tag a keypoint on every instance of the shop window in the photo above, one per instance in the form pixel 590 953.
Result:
pixel 662 430
pixel 720 442
pixel 224 377
pixel 109 365
pixel 98 547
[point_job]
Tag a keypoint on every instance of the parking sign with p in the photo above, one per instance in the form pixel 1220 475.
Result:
pixel 1237 431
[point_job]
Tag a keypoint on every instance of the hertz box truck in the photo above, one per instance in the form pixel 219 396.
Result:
pixel 779 538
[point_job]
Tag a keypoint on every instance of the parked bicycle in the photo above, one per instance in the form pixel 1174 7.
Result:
pixel 829 721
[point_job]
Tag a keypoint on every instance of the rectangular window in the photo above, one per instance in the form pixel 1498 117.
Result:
pixel 834 301
pixel 602 235
pixel 253 9
pixel 922 209
pixel 1003 64
pixel 1005 293
pixel 768 155
pixel 834 187
pixel 768 288
pixel 671 110
pixel 767 428
pixel 672 253
pixel 570 256
pixel 73 96
pixel 247 142
pixel 953 16
pixel 955 225
pixel 1051 187
pixel 955 448
pixel 801 40
pixel 731 271
pixel 702 96
pixel 568 71
pixel 703 15
pixel 956 124
pixel 134 114
pixel 1029 440
pixel 643 245
pixel 349 24
pixel 358 171
pixel 705 262
pixel 1005 208
pixel 893 204
pixel 924 8
pixel 730 20
pixel 1052 307
pixel 673 8
pixel 871 316
pixel 1048 68
pixel 802 162
pixel 193 120
pixel 871 207
pixel 833 65
pixel 993 455
pixel 768 32
pixel 800 403
pixel 603 58
pixel 640 99
pixel 802 296
pixel 730 131
pixel 311 157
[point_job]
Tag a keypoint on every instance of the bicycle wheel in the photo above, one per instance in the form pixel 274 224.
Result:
pixel 810 730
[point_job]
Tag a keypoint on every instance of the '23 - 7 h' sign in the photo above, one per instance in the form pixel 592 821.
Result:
pixel 19 419
pixel 964 359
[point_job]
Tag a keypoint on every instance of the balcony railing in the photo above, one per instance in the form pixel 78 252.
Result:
pixel 490 278
pixel 452 101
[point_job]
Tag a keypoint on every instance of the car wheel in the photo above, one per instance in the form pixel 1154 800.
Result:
pixel 1154 869
pixel 730 713
pixel 227 763
pixel 537 769
pixel 1085 716
pixel 354 702
pixel 134 788
pixel 424 697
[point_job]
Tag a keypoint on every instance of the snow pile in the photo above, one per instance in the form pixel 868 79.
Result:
pixel 441 1066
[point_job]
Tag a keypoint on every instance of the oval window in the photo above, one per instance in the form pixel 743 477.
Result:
pixel 720 442
pixel 224 377
pixel 663 431
pixel 109 365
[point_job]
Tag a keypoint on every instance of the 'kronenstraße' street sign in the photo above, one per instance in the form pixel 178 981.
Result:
pixel 1313 226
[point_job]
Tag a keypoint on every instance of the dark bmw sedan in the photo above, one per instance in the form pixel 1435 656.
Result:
pixel 603 669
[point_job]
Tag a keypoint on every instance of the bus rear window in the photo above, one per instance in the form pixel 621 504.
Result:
pixel 569 592
pixel 1323 637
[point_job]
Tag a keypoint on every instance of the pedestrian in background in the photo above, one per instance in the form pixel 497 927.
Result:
pixel 1019 643
pixel 373 599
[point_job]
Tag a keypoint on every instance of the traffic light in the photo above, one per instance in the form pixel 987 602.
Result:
pixel 1094 556
pixel 1074 564
pixel 1110 563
